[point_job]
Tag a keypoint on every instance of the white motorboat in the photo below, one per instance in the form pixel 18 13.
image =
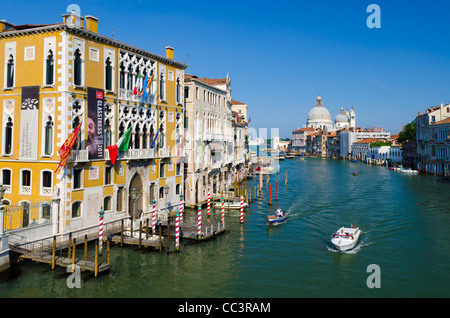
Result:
pixel 236 205
pixel 409 171
pixel 346 238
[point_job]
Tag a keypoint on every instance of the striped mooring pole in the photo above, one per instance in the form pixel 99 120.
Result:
pixel 181 207
pixel 199 215
pixel 242 209
pixel 209 203
pixel 100 231
pixel 223 210
pixel 154 217
pixel 177 232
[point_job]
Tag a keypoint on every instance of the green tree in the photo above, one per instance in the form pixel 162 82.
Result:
pixel 408 132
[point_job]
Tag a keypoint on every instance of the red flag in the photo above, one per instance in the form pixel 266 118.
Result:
pixel 66 148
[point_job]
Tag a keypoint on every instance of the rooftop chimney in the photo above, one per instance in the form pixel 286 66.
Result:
pixel 169 52
pixel 91 23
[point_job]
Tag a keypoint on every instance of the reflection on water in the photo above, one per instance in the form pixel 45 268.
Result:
pixel 404 221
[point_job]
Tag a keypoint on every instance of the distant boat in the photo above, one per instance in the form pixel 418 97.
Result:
pixel 277 218
pixel 346 238
pixel 236 205
pixel 290 156
pixel 409 171
pixel 355 173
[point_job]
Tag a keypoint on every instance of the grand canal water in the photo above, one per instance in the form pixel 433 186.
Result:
pixel 404 219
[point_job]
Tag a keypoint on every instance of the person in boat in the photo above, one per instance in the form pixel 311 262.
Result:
pixel 280 213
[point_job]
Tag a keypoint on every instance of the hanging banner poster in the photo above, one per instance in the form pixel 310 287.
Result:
pixel 29 123
pixel 95 120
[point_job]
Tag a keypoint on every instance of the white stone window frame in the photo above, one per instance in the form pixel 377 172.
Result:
pixel 109 53
pixel 25 190
pixel 49 44
pixel 48 111
pixel 8 112
pixel 180 76
pixel 162 73
pixel 81 210
pixel 10 50
pixel 7 186
pixel 81 115
pixel 111 198
pixel 45 191
pixel 81 178
pixel 111 182
pixel 79 44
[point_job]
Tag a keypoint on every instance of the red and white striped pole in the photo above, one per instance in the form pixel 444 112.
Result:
pixel 100 232
pixel 181 207
pixel 177 232
pixel 154 217
pixel 209 203
pixel 242 209
pixel 199 215
pixel 223 211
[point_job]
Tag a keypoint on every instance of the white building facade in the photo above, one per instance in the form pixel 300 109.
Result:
pixel 210 151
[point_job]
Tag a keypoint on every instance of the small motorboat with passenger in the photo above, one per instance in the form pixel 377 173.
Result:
pixel 346 238
pixel 278 217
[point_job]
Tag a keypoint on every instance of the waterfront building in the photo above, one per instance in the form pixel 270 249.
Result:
pixel 210 148
pixel 409 154
pixel 349 136
pixel 395 155
pixel 279 145
pixel 57 77
pixel 361 149
pixel 432 140
pixel 298 139
pixel 240 108
pixel 440 147
pixel 319 144
pixel 332 144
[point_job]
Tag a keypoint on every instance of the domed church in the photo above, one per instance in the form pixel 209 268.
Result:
pixel 319 117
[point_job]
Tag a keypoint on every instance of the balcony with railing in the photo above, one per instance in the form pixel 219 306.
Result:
pixel 127 94
pixel 164 152
pixel 78 156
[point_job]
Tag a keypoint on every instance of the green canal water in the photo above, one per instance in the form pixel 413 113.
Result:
pixel 404 219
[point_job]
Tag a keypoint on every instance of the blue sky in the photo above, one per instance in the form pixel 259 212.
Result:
pixel 281 54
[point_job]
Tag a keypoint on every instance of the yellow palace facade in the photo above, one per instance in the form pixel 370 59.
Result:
pixel 55 77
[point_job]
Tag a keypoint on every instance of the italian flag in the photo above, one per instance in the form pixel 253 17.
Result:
pixel 122 145
pixel 138 85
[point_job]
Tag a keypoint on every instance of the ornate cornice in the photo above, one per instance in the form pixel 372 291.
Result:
pixel 93 36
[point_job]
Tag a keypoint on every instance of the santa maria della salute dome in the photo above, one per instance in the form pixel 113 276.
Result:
pixel 319 118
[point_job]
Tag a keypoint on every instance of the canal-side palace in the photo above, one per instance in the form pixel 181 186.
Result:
pixel 87 122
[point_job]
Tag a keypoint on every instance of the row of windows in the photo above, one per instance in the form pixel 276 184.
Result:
pixel 49 70
pixel 46 178
pixel 210 97
pixel 48 137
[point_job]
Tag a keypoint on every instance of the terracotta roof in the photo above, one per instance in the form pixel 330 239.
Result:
pixel 366 141
pixel 213 81
pixel 235 102
pixel 444 121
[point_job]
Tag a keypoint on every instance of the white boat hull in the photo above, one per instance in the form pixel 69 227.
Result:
pixel 346 238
